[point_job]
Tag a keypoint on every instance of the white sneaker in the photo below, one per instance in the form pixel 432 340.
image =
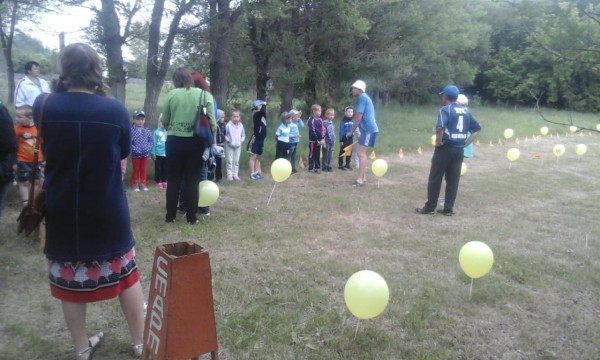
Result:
pixel 229 177
pixel 145 188
pixel 136 189
pixel 235 177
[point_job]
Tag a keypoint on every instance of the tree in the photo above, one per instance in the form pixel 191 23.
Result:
pixel 13 11
pixel 159 57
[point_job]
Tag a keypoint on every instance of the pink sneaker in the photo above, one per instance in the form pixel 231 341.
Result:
pixel 229 177
pixel 235 177
pixel 164 185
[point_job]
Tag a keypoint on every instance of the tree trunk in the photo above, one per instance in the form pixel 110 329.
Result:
pixel 113 42
pixel 158 64
pixel 258 39
pixel 221 25
pixel 7 40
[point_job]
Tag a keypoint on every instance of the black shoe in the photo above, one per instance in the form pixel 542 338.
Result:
pixel 425 211
pixel 294 171
pixel 348 167
pixel 341 168
pixel 446 212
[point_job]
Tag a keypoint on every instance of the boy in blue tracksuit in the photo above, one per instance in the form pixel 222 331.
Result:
pixel 346 127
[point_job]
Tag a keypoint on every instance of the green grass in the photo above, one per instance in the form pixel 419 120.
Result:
pixel 279 271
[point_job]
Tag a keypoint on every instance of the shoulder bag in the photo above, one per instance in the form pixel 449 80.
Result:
pixel 202 128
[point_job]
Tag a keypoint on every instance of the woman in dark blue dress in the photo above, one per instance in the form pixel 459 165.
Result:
pixel 89 243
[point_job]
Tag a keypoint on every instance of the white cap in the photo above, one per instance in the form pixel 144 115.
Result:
pixel 359 84
pixel 462 100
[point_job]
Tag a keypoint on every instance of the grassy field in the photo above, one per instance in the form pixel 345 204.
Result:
pixel 279 271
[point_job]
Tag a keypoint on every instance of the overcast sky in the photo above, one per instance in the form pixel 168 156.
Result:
pixel 71 21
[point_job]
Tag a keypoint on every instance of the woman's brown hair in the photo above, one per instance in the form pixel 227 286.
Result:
pixel 80 66
pixel 182 78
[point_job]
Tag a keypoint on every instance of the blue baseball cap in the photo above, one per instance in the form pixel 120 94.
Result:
pixel 450 90
pixel 259 102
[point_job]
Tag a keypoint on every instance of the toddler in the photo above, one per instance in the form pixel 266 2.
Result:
pixel 282 134
pixel 141 144
pixel 316 136
pixel 346 127
pixel 329 140
pixel 295 127
pixel 234 138
pixel 27 134
pixel 159 155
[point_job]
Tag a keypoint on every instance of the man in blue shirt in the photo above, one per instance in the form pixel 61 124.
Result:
pixel 451 136
pixel 364 119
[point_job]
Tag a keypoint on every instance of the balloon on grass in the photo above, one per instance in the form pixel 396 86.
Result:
pixel 581 149
pixel 281 169
pixel 544 130
pixel 208 193
pixel 463 169
pixel 433 139
pixel 559 150
pixel 366 294
pixel 572 128
pixel 513 154
pixel 379 167
pixel 598 127
pixel 508 133
pixel 476 259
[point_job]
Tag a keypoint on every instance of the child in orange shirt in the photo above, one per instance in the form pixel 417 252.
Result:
pixel 27 137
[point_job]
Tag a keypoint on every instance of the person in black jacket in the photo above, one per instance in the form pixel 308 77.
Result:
pixel 257 142
pixel 8 150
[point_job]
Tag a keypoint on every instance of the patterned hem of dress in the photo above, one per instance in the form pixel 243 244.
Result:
pixel 92 281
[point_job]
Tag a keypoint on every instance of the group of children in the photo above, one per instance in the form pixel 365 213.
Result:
pixel 321 138
pixel 146 145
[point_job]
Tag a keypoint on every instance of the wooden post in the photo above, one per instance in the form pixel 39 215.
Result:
pixel 180 320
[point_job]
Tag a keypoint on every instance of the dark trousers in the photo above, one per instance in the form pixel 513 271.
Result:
pixel 218 173
pixel 314 155
pixel 345 142
pixel 282 150
pixel 184 163
pixel 445 163
pixel 160 169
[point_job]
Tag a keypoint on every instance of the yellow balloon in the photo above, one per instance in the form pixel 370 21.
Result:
pixel 544 130
pixel 281 169
pixel 559 150
pixel 463 169
pixel 508 133
pixel 598 127
pixel 433 139
pixel 379 167
pixel 572 128
pixel 366 294
pixel 476 259
pixel 208 193
pixel 513 154
pixel 581 149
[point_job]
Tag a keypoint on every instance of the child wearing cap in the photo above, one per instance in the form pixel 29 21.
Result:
pixel 295 136
pixel 141 144
pixel 159 155
pixel 282 149
pixel 329 139
pixel 257 142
